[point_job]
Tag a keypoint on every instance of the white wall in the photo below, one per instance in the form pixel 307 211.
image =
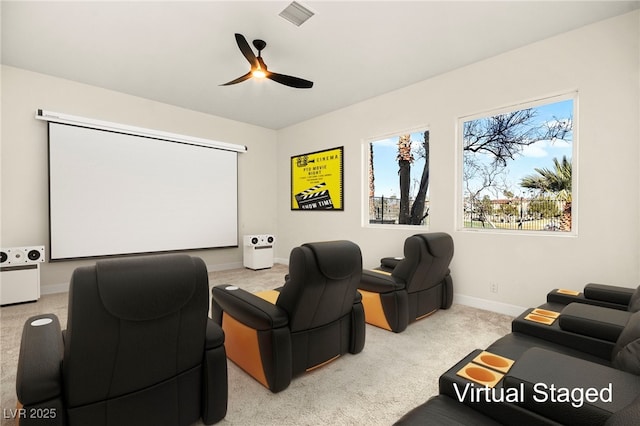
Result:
pixel 601 61
pixel 24 175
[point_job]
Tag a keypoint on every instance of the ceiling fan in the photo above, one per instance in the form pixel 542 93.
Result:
pixel 259 69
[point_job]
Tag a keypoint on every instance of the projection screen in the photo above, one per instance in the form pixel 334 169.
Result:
pixel 112 193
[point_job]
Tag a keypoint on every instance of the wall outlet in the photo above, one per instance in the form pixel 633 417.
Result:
pixel 493 287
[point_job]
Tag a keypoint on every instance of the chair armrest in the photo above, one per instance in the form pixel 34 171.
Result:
pixel 39 376
pixel 389 263
pixel 214 336
pixel 593 321
pixel 568 389
pixel 214 378
pixel 557 296
pixel 247 308
pixel 556 335
pixel 608 293
pixel 379 282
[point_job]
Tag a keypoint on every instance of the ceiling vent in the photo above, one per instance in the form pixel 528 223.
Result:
pixel 296 13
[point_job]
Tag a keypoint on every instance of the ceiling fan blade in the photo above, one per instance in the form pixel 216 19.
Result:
pixel 246 50
pixel 238 80
pixel 287 80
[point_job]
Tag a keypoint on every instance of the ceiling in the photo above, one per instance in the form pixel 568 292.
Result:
pixel 180 52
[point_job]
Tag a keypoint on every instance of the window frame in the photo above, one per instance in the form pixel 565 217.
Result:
pixel 365 180
pixel 460 190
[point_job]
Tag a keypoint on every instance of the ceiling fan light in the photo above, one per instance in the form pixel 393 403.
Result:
pixel 258 73
pixel 296 13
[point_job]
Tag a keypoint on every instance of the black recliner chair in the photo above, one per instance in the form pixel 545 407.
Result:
pixel 592 322
pixel 313 319
pixel 415 287
pixel 530 381
pixel 139 349
pixel 604 295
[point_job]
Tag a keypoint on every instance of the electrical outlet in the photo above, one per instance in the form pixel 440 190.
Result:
pixel 493 287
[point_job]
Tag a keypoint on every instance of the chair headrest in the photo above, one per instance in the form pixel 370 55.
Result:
pixel 145 288
pixel 336 259
pixel 440 244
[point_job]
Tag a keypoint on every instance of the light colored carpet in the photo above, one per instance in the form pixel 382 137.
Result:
pixel 393 374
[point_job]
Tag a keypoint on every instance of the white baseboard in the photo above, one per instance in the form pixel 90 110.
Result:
pixel 488 305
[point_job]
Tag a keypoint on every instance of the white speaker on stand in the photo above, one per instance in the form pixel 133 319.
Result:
pixel 20 274
pixel 258 251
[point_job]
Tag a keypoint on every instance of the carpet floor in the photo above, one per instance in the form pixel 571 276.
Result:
pixel 393 374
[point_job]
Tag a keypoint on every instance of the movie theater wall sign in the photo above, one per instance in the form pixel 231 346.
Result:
pixel 317 180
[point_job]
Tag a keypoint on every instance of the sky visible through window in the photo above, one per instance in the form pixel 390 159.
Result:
pixel 537 155
pixel 385 165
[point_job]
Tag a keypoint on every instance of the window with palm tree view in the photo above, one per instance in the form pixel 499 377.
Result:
pixel 399 179
pixel 517 167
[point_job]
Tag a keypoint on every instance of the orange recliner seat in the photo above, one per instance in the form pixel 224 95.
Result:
pixel 313 319
pixel 417 286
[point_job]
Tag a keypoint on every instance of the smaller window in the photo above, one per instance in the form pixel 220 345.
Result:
pixel 398 178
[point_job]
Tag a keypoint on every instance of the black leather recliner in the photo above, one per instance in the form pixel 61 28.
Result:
pixel 608 296
pixel 547 377
pixel 538 366
pixel 523 377
pixel 415 287
pixel 139 348
pixel 591 322
pixel 314 318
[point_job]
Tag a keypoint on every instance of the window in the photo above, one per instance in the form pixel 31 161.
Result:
pixel 517 167
pixel 398 179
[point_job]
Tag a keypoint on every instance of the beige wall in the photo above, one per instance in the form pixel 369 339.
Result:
pixel 24 208
pixel 601 62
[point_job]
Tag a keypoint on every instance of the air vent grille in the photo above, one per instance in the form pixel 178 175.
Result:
pixel 296 13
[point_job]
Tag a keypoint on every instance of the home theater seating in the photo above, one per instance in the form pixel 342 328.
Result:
pixel 127 358
pixel 573 360
pixel 314 318
pixel 138 349
pixel 402 291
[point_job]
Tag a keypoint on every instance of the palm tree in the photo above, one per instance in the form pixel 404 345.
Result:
pixel 372 183
pixel 557 181
pixel 405 158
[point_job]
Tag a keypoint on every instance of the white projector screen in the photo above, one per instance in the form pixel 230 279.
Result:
pixel 112 193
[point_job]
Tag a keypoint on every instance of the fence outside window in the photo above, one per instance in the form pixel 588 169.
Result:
pixel 385 210
pixel 529 214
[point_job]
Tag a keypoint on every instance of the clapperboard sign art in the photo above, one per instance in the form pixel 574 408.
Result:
pixel 315 198
pixel 317 181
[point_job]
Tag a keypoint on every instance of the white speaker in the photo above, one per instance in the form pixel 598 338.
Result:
pixel 258 251
pixel 259 240
pixel 20 274
pixel 22 255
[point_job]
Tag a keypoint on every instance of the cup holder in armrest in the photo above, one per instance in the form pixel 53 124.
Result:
pixel 493 361
pixel 568 292
pixel 539 319
pixel 546 313
pixel 480 375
